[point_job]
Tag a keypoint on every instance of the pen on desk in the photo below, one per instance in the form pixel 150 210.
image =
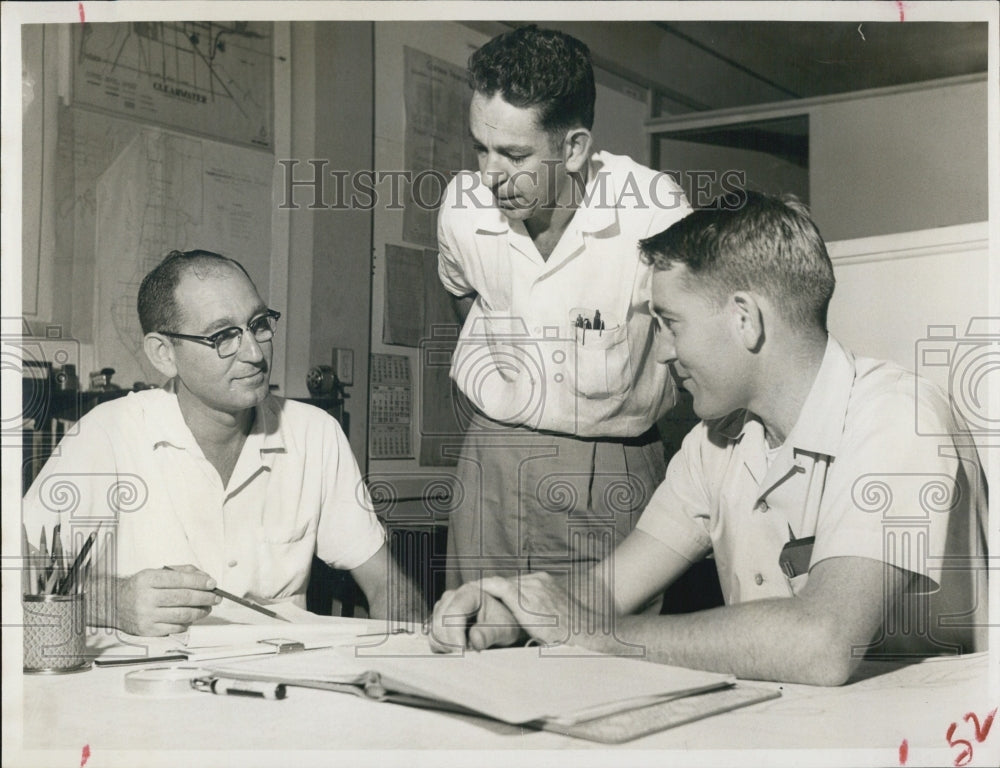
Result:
pixel 232 687
pixel 123 662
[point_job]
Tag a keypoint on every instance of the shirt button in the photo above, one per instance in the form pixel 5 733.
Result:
pixel 758 579
pixel 761 506
pixel 232 563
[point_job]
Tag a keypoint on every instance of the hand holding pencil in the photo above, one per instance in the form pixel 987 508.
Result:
pixel 162 601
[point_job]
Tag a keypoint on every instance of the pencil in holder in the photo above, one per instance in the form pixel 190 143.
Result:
pixel 55 634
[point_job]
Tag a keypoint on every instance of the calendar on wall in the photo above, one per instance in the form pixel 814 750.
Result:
pixel 390 408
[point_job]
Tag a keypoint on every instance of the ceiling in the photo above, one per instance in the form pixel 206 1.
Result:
pixel 793 60
pixel 703 65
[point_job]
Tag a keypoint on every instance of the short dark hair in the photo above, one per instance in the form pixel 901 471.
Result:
pixel 769 245
pixel 543 68
pixel 157 300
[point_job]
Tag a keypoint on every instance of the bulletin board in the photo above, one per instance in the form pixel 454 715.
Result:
pixel 421 127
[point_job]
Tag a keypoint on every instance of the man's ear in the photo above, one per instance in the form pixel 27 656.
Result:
pixel 576 149
pixel 160 351
pixel 748 319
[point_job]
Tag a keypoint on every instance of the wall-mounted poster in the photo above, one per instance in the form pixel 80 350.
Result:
pixel 207 77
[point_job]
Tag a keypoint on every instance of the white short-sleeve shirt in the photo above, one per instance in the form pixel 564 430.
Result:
pixel 133 464
pixel 854 473
pixel 530 352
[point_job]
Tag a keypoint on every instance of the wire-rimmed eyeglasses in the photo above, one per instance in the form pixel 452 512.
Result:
pixel 227 341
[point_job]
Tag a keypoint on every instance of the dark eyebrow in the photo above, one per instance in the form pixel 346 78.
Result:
pixel 228 322
pixel 510 149
pixel 515 149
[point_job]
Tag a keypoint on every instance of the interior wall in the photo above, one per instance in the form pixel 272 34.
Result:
pixel 342 239
pixel 297 313
pixel 899 162
pixel 619 113
pixel 706 171
pixel 891 290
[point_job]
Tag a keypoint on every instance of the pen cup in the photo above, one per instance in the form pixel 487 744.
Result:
pixel 54 634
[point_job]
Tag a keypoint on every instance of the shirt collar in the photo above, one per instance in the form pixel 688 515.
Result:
pixel 820 425
pixel 267 426
pixel 166 425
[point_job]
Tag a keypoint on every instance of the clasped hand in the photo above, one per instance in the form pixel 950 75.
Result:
pixel 499 611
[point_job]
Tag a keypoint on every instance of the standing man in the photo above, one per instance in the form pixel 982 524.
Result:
pixel 555 355
pixel 211 480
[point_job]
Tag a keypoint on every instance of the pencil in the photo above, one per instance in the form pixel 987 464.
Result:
pixel 243 601
pixel 248 604
pixel 43 563
pixel 66 584
pixel 56 565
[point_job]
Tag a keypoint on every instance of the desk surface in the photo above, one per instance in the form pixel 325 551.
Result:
pixel 863 723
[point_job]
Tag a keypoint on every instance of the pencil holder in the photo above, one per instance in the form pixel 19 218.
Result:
pixel 55 634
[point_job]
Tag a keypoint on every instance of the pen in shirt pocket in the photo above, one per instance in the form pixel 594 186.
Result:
pixel 583 322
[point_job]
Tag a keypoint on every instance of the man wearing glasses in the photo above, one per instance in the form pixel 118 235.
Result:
pixel 210 481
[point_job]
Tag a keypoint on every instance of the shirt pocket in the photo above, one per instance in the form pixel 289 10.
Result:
pixel 277 532
pixel 600 366
pixel 284 554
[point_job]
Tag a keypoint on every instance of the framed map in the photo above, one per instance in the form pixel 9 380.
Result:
pixel 212 78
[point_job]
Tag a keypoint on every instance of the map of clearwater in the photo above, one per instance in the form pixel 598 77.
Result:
pixel 210 77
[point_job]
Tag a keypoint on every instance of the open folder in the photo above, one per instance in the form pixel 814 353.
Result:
pixel 564 688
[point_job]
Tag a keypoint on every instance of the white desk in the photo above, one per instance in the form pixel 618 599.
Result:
pixel 863 723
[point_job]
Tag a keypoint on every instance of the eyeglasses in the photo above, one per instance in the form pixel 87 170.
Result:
pixel 227 341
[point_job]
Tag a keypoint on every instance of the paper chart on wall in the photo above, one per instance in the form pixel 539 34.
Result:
pixel 403 324
pixel 213 77
pixel 166 191
pixel 436 145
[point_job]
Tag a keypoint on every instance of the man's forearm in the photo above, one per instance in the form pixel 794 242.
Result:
pixel 775 639
pixel 398 600
pixel 817 637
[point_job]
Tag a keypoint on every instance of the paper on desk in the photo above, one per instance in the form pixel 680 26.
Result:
pixel 236 625
pixel 515 685
pixel 235 631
